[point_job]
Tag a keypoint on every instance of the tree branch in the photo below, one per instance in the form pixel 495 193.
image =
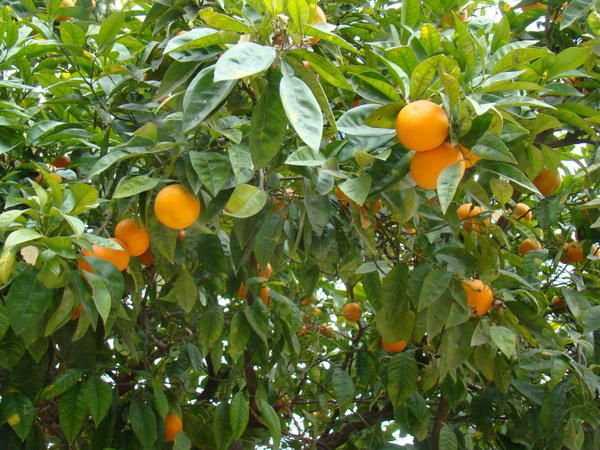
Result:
pixel 441 416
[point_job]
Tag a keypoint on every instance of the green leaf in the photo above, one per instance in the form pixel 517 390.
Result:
pixel 21 236
pixel 591 319
pixel 422 77
pixel 268 126
pixel 435 285
pixel 352 122
pixel 184 292
pixel 27 302
pixel 213 169
pixel 7 264
pixel 8 217
pixel 161 404
pixel 343 387
pixel 111 26
pixel 211 327
pixel 574 10
pixel 394 324
pixel 455 347
pixel 245 201
pixel 505 339
pixel 324 31
pixel 143 422
pixel 326 70
pixel 357 189
pixel 243 60
pixel 305 156
pixel 222 22
pixel 4 321
pixel 128 187
pixel 271 419
pixel 18 412
pixel 71 411
pixel 239 333
pixel 98 397
pixel 491 147
pixel 198 38
pixel 385 116
pixel 510 172
pixel 203 96
pixel 299 12
pixel 80 198
pixel 239 414
pixel 447 184
pixel 502 190
pixel 447 439
pixel 100 293
pixel 182 442
pixel 518 57
pixel 302 110
pixel 258 321
pixel 402 375
pixel 62 383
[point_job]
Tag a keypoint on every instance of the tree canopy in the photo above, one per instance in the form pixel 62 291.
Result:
pixel 270 223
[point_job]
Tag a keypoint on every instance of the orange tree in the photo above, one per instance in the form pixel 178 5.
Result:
pixel 389 157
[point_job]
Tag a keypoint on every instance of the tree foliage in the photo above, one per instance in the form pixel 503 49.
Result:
pixel 282 126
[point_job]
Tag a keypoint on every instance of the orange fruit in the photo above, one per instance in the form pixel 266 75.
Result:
pixel 267 273
pixel 147 258
pixel 343 198
pixel 394 347
pixel 425 167
pixel 547 181
pixel 265 295
pixel 479 296
pixel 118 258
pixel 62 161
pixel 558 303
pixel 173 425
pixel 176 208
pixel 422 126
pixel 528 245
pixel 573 253
pixel 468 210
pixel 308 300
pixel 242 292
pixel 352 312
pixel 326 330
pixel 134 235
pixel 65 4
pixel 469 157
pixel 77 312
pixel 522 211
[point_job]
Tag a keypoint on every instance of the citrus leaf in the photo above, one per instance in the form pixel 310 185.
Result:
pixel 27 302
pixel 243 60
pixel 435 284
pixel 239 414
pixel 268 126
pixel 203 96
pixel 447 184
pixel 245 201
pixel 18 412
pixel 402 374
pixel 447 439
pixel 71 411
pixel 21 236
pixel 143 422
pixel 343 387
pixel 505 339
pixel 357 189
pixel 302 110
pixel 98 398
pixel 271 419
pixel 211 327
pixel 128 187
pixel 62 383
pixel 222 22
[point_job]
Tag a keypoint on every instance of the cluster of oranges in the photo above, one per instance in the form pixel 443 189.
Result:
pixel 265 291
pixel 174 207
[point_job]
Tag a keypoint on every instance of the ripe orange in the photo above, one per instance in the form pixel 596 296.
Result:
pixel 425 167
pixel 469 157
pixel 479 296
pixel 573 253
pixel 174 425
pixel 176 208
pixel 422 126
pixel 558 303
pixel 265 295
pixel 118 258
pixel 547 181
pixel 77 312
pixel 134 235
pixel 394 347
pixel 65 4
pixel 147 258
pixel 243 292
pixel 352 312
pixel 468 210
pixel 267 273
pixel 528 245
pixel 522 211
pixel 62 161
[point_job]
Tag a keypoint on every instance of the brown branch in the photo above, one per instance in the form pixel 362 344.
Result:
pixel 441 416
pixel 355 424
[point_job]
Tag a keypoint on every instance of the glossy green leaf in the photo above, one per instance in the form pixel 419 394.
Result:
pixel 72 411
pixel 243 60
pixel 505 339
pixel 302 110
pixel 27 302
pixel 268 127
pixel 222 22
pixel 128 187
pixel 271 419
pixel 18 412
pixel 435 285
pixel 245 201
pixel 20 237
pixel 239 414
pixel 574 10
pixel 143 423
pixel 357 189
pixel 343 387
pixel 447 184
pixel 213 169
pixel 402 375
